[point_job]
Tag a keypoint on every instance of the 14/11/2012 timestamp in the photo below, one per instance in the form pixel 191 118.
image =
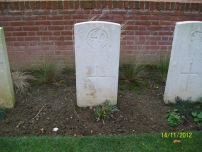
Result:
pixel 176 134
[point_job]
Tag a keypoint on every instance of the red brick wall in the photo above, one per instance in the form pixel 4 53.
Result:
pixel 38 29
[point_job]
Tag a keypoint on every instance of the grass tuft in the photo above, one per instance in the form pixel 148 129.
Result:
pixel 163 65
pixel 131 70
pixel 185 107
pixel 49 71
pixel 20 81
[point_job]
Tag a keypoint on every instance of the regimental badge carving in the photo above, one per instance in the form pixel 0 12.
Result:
pixel 97 38
pixel 196 40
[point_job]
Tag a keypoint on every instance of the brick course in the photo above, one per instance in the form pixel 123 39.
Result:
pixel 45 28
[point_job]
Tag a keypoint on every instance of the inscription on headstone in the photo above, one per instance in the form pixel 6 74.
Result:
pixel 185 73
pixel 97 49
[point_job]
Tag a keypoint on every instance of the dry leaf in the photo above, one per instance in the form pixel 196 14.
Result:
pixel 42 130
pixel 75 135
pixel 61 81
pixel 57 84
pixel 176 141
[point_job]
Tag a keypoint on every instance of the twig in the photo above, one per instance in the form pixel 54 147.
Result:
pixel 39 111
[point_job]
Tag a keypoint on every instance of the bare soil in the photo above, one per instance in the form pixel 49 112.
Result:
pixel 140 110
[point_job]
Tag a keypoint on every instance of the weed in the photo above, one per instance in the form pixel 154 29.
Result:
pixel 20 81
pixel 104 110
pixel 146 84
pixel 200 103
pixel 69 70
pixel 174 118
pixel 2 113
pixel 49 71
pixel 163 65
pixel 138 84
pixel 184 106
pixel 76 107
pixel 131 70
pixel 197 117
pixel 132 87
pixel 121 88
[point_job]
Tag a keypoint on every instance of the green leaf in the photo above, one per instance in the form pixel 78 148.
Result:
pixel 194 114
pixel 196 119
pixel 175 110
pixel 167 115
pixel 199 115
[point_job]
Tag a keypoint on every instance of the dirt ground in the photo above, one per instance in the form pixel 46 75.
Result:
pixel 140 110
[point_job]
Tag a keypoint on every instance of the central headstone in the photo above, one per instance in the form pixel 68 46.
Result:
pixel 7 98
pixel 97 50
pixel 185 70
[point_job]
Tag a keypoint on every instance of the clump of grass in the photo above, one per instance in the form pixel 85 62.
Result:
pixel 2 113
pixel 104 110
pixel 163 65
pixel 20 81
pixel 185 107
pixel 49 71
pixel 131 70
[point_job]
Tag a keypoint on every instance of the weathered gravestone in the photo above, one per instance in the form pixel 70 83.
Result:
pixel 97 49
pixel 7 98
pixel 185 70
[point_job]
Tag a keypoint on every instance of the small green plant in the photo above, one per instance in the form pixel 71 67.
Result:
pixel 146 84
pixel 132 87
pixel 49 71
pixel 200 103
pixel 174 118
pixel 163 65
pixel 20 81
pixel 121 88
pixel 104 110
pixel 2 113
pixel 197 117
pixel 185 107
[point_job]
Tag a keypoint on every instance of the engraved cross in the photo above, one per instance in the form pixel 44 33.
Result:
pixel 189 74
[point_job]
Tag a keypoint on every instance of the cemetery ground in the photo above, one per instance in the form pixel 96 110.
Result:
pixel 44 106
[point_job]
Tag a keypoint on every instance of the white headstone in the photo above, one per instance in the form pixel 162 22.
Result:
pixel 7 99
pixel 97 49
pixel 185 70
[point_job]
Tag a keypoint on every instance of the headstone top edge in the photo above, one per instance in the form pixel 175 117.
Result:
pixel 188 22
pixel 93 22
